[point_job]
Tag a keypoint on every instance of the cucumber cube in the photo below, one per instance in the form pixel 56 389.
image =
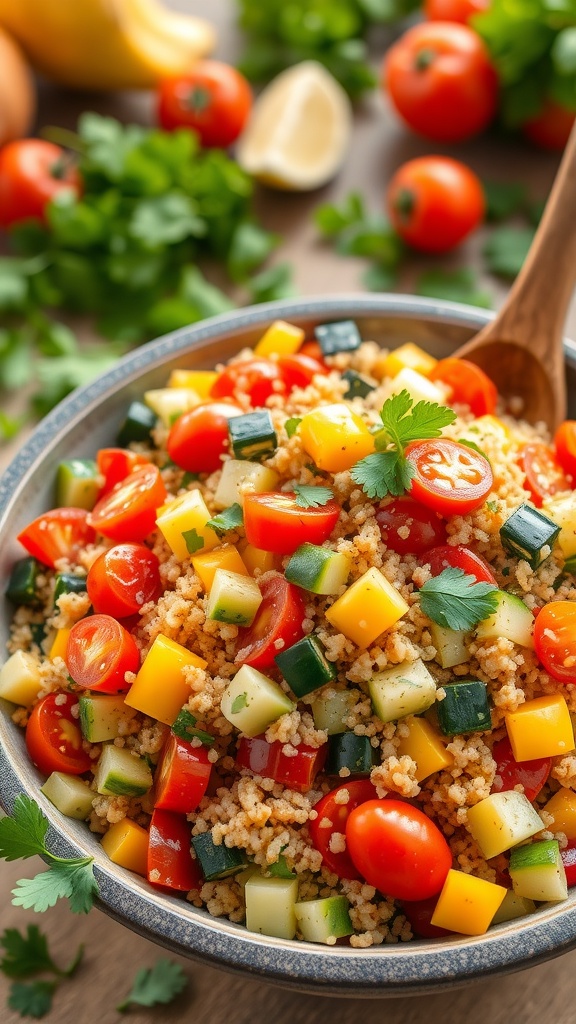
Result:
pixel 406 689
pixel 503 820
pixel 233 598
pixel 270 906
pixel 251 701
pixel 240 477
pixel 341 336
pixel 324 920
pixel 451 646
pixel 511 620
pixel 119 772
pixel 305 666
pixel 100 716
pixel 22 583
pixel 217 861
pixel 513 907
pixel 77 484
pixel 138 425
pixel 528 533
pixel 331 711
pixel 252 435
pixel 20 679
pixel 465 708
pixel 170 403
pixel 68 583
pixel 318 569
pixel 69 794
pixel 537 871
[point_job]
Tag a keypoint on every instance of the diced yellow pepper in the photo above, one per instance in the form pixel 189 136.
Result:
pixel 562 806
pixel 367 608
pixel 281 339
pixel 540 728
pixel 20 678
pixel 226 557
pixel 200 381
pixel 160 689
pixel 408 356
pixel 255 559
pixel 424 746
pixel 562 511
pixel 467 904
pixel 183 524
pixel 501 821
pixel 335 437
pixel 126 844
pixel 58 649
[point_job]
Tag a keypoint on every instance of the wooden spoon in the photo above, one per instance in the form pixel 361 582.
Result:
pixel 521 349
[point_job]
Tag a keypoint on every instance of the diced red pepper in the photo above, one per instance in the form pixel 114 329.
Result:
pixel 296 771
pixel 510 773
pixel 170 865
pixel 568 856
pixel 182 776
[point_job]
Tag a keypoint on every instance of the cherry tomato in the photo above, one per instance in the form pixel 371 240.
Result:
pixel 468 383
pixel 456 556
pixel 510 773
pixel 59 533
pixel 450 478
pixel 32 172
pixel 441 81
pixel 419 915
pixel 99 653
pixel 268 760
pixel 128 511
pixel 277 624
pixel 213 98
pixel 435 202
pixel 408 527
pixel 53 738
pixel 182 776
pixel 257 378
pixel 544 475
pixel 115 464
pixel 122 579
pixel 332 816
pixel 555 639
pixel 454 10
pixel 568 855
pixel 199 438
pixel 170 865
pixel 274 522
pixel 314 349
pixel 565 446
pixel 299 370
pixel 398 849
pixel 550 129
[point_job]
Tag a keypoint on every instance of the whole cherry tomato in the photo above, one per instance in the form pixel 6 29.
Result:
pixel 122 579
pixel 258 378
pixel 419 915
pixel 441 81
pixel 565 445
pixel 543 473
pixel 468 383
pixel 408 527
pixel 32 172
pixel 59 533
pixel 555 639
pixel 510 773
pixel 213 98
pixel 277 624
pixel 550 129
pixel 450 478
pixel 435 202
pixel 128 511
pixel 456 556
pixel 53 738
pixel 332 813
pixel 454 10
pixel 99 653
pixel 274 521
pixel 199 438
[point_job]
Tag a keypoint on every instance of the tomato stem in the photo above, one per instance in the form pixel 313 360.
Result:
pixel 424 58
pixel 404 203
pixel 198 99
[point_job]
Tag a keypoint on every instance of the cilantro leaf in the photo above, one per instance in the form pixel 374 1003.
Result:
pixel 310 496
pixel 383 473
pixel 185 727
pixel 291 425
pixel 230 519
pixel 239 703
pixel 272 283
pixel 454 285
pixel 33 999
pixel 23 834
pixel 506 250
pixel 455 600
pixel 25 954
pixel 158 984
pixel 193 541
pixel 331 219
pixel 504 199
pixel 406 422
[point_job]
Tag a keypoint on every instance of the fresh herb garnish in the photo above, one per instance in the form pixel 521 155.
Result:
pixel 185 728
pixel 454 285
pixel 154 985
pixel 475 448
pixel 27 955
pixel 193 541
pixel 291 425
pixel 280 869
pixel 504 199
pixel 310 496
pixel 507 248
pixel 230 519
pixel 239 703
pixel 455 599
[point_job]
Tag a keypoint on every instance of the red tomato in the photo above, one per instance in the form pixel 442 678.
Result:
pixel 425 527
pixel 468 383
pixel 456 556
pixel 99 652
pixel 182 776
pixel 332 817
pixel 441 81
pixel 435 202
pixel 550 129
pixel 213 98
pixel 128 511
pixel 454 10
pixel 32 172
pixel 258 378
pixel 398 849
pixel 60 533
pixel 313 349
pixel 565 446
pixel 279 618
pixel 199 438
pixel 170 865
pixel 266 759
pixel 122 579
pixel 419 915
pixel 115 464
pixel 555 639
pixel 544 475
pixel 510 773
pixel 53 738
pixel 568 855
pixel 299 370
pixel 274 522
pixel 450 478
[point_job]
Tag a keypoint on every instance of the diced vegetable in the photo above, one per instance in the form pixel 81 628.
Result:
pixel 251 701
pixel 418 387
pixel 225 557
pixel 60 644
pixel 233 598
pixel 513 907
pixel 68 583
pixel 425 747
pixel 335 437
pixel 20 679
pixel 185 728
pixel 358 386
pixel 100 715
pixel 170 864
pixel 296 770
pixel 324 920
pixel 450 644
pixel 318 569
pixel 22 585
pixel 354 753
pixel 165 661
pixel 121 772
pixel 331 711
pixel 77 483
pixel 511 620
pixel 467 904
pixel 280 339
pixel 305 667
pixel 341 336
pixel 540 728
pixel 406 689
pixel 367 608
pixel 217 861
pixel 138 425
pixel 407 356
pixel 200 381
pixel 240 477
pixel 529 534
pixel 170 403
pixel 562 512
pixel 270 906
pixel 126 844
pixel 464 708
pixel 258 561
pixel 503 820
pixel 183 524
pixel 562 807
pixel 182 775
pixel 69 794
pixel 537 871
pixel 252 435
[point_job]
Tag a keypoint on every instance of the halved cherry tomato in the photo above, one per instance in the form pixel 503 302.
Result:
pixel 435 202
pixel 408 527
pixel 398 849
pixel 277 624
pixel 555 639
pixel 53 738
pixel 449 477
pixel 273 521
pixel 550 129
pixel 510 773
pixel 59 533
pixel 99 652
pixel 468 383
pixel 122 579
pixel 565 446
pixel 32 173
pixel 257 378
pixel 332 815
pixel 213 99
pixel 419 915
pixel 115 464
pixel 314 349
pixel 544 475
pixel 170 865
pixel 182 776
pixel 456 556
pixel 299 370
pixel 454 10
pixel 267 759
pixel 199 438
pixel 568 855
pixel 128 511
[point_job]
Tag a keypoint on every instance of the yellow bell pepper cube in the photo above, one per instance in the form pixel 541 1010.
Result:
pixel 160 689
pixel 183 524
pixel 562 806
pixel 467 904
pixel 126 844
pixel 281 339
pixel 335 437
pixel 226 557
pixel 424 745
pixel 58 649
pixel 501 821
pixel 540 728
pixel 406 357
pixel 200 381
pixel 562 511
pixel 367 608
pixel 257 560
pixel 20 679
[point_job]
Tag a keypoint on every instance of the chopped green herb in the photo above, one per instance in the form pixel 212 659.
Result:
pixel 475 448
pixel 229 519
pixel 280 868
pixel 456 600
pixel 27 955
pixel 291 425
pixel 33 998
pixel 193 541
pixel 239 703
pixel 506 249
pixel 185 728
pixel 492 505
pixel 504 199
pixel 154 985
pixel 309 496
pixel 454 285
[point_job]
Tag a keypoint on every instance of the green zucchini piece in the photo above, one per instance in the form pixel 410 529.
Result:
pixel 22 585
pixel 100 716
pixel 407 689
pixel 305 666
pixel 121 773
pixel 358 386
pixel 465 708
pixel 77 484
pixel 233 598
pixel 69 794
pixel 347 750
pixel 138 425
pixel 252 435
pixel 270 906
pixel 217 861
pixel 331 710
pixel 324 920
pixel 340 336
pixel 68 583
pixel 537 871
pixel 527 533
pixel 318 569
pixel 511 620
pixel 251 701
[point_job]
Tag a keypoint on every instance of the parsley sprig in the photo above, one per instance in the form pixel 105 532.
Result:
pixel 153 985
pixel 454 599
pixel 26 956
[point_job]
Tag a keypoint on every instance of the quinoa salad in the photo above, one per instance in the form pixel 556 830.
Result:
pixel 301 647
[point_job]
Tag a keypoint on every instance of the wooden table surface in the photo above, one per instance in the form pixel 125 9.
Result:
pixel 541 995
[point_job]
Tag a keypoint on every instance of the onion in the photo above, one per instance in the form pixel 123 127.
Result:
pixel 17 94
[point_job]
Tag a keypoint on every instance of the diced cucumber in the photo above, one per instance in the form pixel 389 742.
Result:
pixel 233 598
pixel 406 689
pixel 324 920
pixel 450 644
pixel 100 716
pixel 537 871
pixel 77 484
pixel 305 666
pixel 67 583
pixel 270 906
pixel 512 907
pixel 170 403
pixel 356 753
pixel 318 569
pixel 358 386
pixel 22 585
pixel 252 435
pixel 502 820
pixel 251 701
pixel 464 708
pixel 528 534
pixel 330 712
pixel 217 861
pixel 418 387
pixel 511 620
pixel 119 772
pixel 246 873
pixel 69 794
pixel 138 425
pixel 340 336
pixel 20 679
pixel 240 477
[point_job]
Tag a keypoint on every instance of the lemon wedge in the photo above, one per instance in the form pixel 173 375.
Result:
pixel 298 132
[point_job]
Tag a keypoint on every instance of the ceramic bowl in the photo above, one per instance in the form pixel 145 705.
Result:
pixel 89 419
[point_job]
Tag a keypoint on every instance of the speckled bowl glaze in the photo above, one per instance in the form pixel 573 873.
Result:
pixel 89 419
